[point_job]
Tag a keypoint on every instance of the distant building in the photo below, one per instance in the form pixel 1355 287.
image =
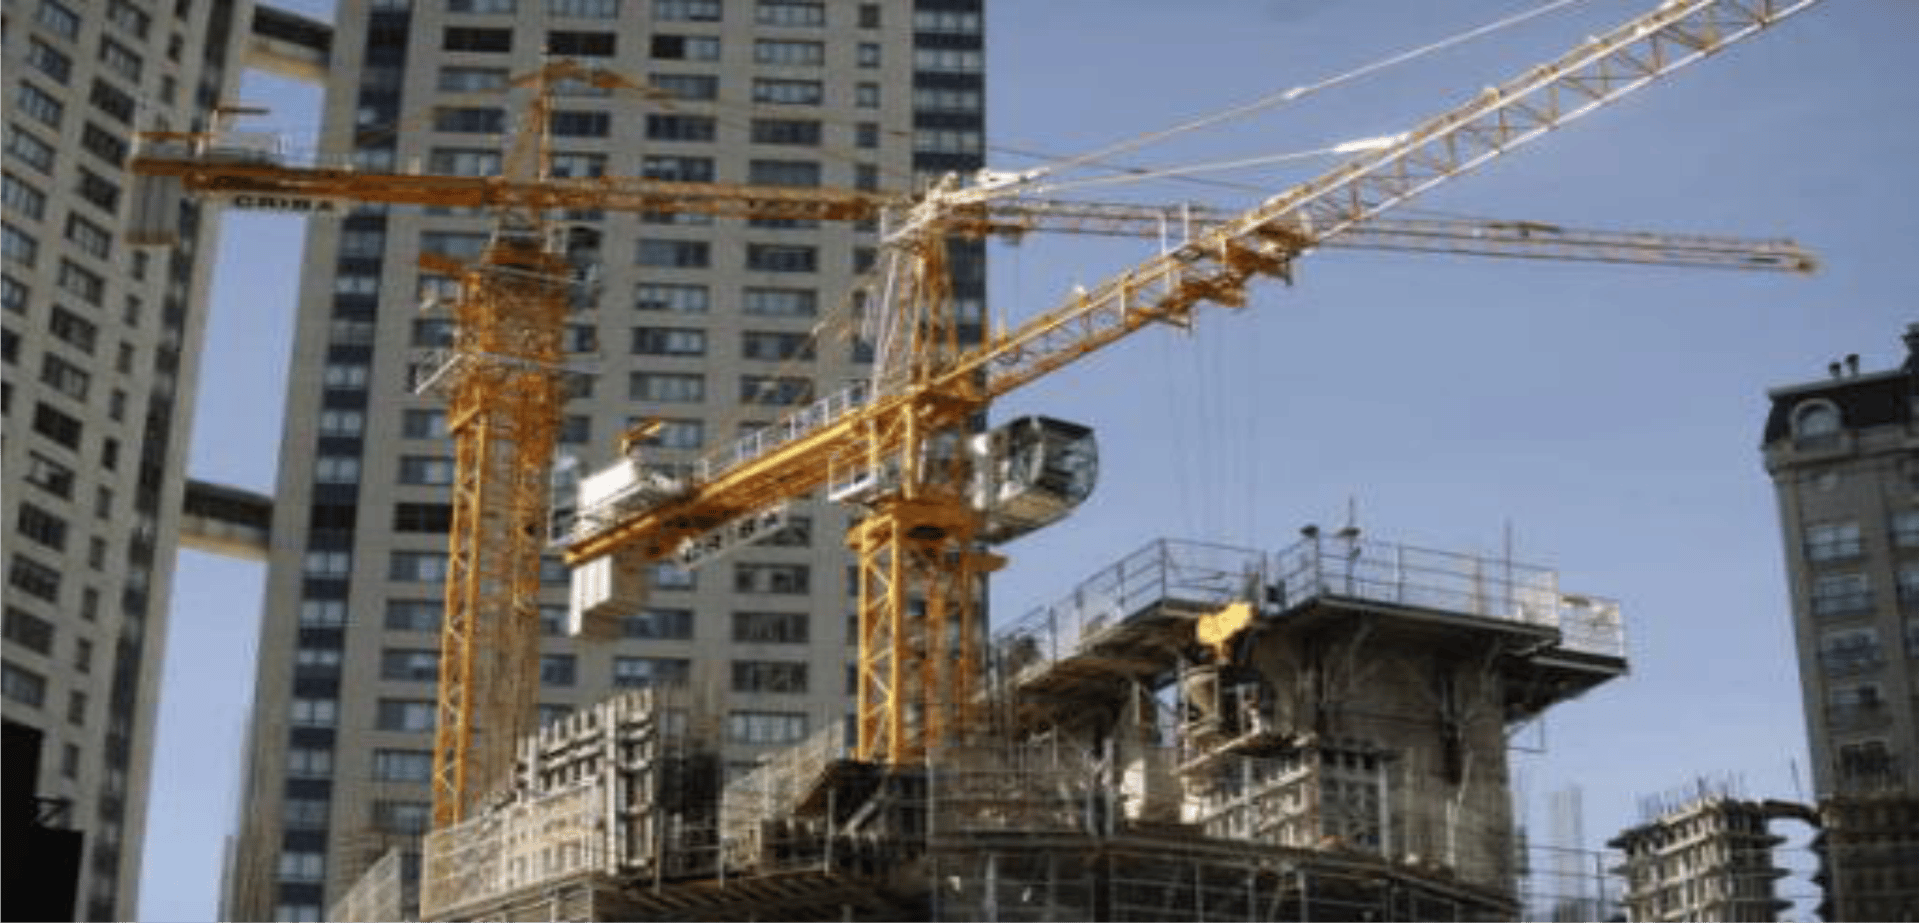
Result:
pixel 100 345
pixel 1710 858
pixel 1841 451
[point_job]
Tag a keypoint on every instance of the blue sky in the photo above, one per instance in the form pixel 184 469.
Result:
pixel 1607 417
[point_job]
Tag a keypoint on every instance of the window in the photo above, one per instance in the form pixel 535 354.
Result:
pixel 423 517
pixel 91 238
pixel 48 474
pixel 789 53
pixel 679 299
pixel 766 727
pixel 777 676
pixel 685 48
pixel 64 377
pixel 304 813
pixel 469 120
pixel 664 576
pixel 56 426
pixel 498 7
pixel 790 13
pixel 403 818
pixel 72 329
pixel 866 95
pixel 948 60
pixel 30 631
pixel 335 422
pixel 775 389
pixel 669 341
pixel 423 424
pixel 786 131
pixel 579 124
pixel 679 434
pixel 680 128
pixel 313 712
pixel 469 39
pixel 557 670
pixel 111 100
pixel 1839 594
pixel 631 672
pixel 947 99
pixel 17 246
pixel 686 86
pixel 413 615
pixel 403 715
pixel 961 22
pixel 770 627
pixel 39 105
pixel 125 15
pixel 472 79
pixel 410 664
pixel 22 685
pixel 29 149
pixel 776 346
pixel 568 165
pixel 681 254
pixel 82 283
pixel 1906 528
pixel 463 161
pixel 21 197
pixel 1906 585
pixel 327 564
pixel 1849 650
pixel 782 258
pixel 779 302
pixel 659 624
pixel 771 578
pixel 947 141
pixel 867 54
pixel 584 9
pixel 402 765
pixel 1833 541
pixel 417 566
pixel 13 299
pixel 302 866
pixel 1816 424
pixel 104 144
pixel 58 19
pixel 120 59
pixel 788 92
pixel 41 526
pixel 783 172
pixel 867 134
pixel 580 44
pixel 98 191
pixel 678 169
pixel 429 470
pixel 687 10
pixel 323 613
pixel 309 763
pixel 344 376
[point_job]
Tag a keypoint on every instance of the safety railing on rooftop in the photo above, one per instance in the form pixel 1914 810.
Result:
pixel 1205 576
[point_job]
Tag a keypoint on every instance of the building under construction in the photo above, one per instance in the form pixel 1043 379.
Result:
pixel 1194 732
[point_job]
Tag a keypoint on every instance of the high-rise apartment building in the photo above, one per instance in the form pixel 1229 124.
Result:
pixel 714 326
pixel 100 360
pixel 1841 453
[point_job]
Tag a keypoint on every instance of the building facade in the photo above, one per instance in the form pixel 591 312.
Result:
pixel 100 362
pixel 1841 454
pixel 714 326
pixel 1709 859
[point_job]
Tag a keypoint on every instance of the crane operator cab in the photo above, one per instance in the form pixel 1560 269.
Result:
pixel 1031 472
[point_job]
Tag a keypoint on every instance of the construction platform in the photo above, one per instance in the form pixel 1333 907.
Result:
pixel 1195 732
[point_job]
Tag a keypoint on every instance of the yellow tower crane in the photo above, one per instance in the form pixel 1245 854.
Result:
pixel 919 556
pixel 918 538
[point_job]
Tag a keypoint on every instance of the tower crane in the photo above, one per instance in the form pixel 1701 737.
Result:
pixel 917 545
pixel 894 447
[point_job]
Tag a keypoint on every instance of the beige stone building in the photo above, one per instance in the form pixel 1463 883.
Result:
pixel 100 341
